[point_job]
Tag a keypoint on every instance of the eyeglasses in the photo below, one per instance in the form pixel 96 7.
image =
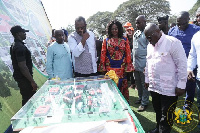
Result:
pixel 149 37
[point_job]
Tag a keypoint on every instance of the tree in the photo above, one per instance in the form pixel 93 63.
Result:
pixel 128 11
pixel 193 10
pixel 98 22
pixel 70 29
pixel 172 19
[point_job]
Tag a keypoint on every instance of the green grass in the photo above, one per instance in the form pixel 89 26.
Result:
pixel 148 118
pixel 11 104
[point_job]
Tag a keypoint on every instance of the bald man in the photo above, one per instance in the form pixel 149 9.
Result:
pixel 165 85
pixel 139 62
pixel 59 62
pixel 184 32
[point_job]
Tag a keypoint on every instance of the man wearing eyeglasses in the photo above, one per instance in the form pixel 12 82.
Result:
pixel 165 75
pixel 184 32
pixel 139 62
pixel 83 47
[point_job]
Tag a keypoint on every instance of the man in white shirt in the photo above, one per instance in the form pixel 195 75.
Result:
pixel 83 48
pixel 193 60
pixel 165 75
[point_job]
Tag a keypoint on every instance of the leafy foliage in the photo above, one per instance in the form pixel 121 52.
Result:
pixel 128 11
pixel 98 22
pixel 172 19
pixel 6 81
pixel 70 29
pixel 194 9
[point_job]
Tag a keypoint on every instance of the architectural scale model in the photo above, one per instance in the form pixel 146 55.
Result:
pixel 71 101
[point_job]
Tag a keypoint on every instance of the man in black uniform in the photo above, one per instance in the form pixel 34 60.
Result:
pixel 163 24
pixel 22 64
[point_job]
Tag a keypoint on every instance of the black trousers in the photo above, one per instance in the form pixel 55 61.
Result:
pixel 84 75
pixel 130 77
pixel 26 89
pixel 161 105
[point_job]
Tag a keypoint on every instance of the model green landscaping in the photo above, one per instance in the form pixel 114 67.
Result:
pixel 72 101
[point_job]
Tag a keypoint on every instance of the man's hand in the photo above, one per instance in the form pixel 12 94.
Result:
pixel 146 85
pixel 85 37
pixel 179 92
pixel 24 70
pixel 34 85
pixel 191 76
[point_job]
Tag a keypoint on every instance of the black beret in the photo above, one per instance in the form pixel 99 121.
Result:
pixel 162 18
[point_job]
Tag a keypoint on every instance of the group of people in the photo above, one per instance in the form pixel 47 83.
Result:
pixel 171 68
pixel 156 58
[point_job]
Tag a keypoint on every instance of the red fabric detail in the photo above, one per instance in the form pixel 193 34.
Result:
pixel 135 128
pixel 116 54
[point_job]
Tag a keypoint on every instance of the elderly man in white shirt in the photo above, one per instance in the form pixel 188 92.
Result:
pixel 83 47
pixel 165 75
pixel 193 60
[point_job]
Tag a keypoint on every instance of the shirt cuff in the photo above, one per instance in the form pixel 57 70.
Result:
pixel 181 84
pixel 80 47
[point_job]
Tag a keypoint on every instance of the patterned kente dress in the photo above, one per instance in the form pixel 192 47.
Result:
pixel 116 55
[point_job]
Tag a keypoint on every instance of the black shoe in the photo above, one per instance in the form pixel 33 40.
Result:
pixel 138 102
pixel 154 131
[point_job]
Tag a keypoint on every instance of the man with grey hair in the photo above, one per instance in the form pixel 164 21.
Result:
pixel 83 47
pixel 139 62
pixel 165 85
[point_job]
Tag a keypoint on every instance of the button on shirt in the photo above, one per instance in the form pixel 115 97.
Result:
pixel 194 55
pixel 166 66
pixel 184 36
pixel 59 61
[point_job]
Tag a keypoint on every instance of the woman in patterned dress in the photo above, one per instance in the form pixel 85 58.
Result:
pixel 116 55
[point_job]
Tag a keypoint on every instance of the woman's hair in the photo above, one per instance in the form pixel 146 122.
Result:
pixel 119 26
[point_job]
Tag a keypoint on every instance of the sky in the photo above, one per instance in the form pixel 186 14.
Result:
pixel 62 13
